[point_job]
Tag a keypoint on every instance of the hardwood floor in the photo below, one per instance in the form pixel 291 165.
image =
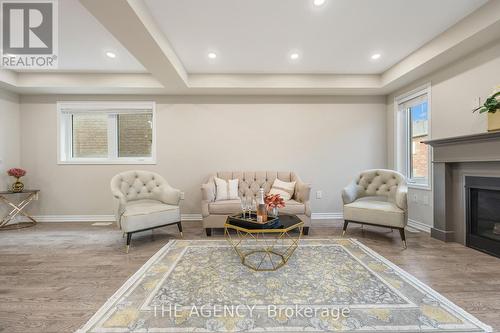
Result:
pixel 55 276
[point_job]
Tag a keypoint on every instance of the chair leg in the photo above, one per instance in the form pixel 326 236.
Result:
pixel 208 231
pixel 179 225
pixel 129 238
pixel 305 231
pixel 403 236
pixel 345 227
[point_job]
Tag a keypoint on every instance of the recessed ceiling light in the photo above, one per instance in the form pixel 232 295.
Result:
pixel 110 55
pixel 319 3
pixel 212 55
pixel 294 56
pixel 376 56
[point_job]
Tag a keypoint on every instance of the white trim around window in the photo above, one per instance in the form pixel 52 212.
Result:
pixel 402 147
pixel 65 137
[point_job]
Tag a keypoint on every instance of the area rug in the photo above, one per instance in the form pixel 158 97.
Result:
pixel 327 285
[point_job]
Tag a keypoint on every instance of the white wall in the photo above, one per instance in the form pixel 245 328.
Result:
pixel 326 140
pixel 10 135
pixel 9 139
pixel 454 92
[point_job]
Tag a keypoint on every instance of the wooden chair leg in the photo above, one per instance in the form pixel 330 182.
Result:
pixel 305 231
pixel 345 227
pixel 129 239
pixel 208 231
pixel 403 236
pixel 179 225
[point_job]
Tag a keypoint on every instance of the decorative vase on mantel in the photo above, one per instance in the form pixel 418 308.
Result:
pixel 491 106
pixel 494 121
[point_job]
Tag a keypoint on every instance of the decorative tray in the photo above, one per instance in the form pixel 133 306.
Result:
pixel 251 222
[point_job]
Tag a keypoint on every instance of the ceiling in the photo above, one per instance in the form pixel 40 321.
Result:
pixel 83 43
pixel 257 36
pixel 161 46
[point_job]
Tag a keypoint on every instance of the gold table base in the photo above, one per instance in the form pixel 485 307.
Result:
pixel 17 209
pixel 270 249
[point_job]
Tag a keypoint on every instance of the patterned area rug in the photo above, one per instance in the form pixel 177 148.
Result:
pixel 327 285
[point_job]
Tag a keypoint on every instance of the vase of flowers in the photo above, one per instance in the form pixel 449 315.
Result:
pixel 492 107
pixel 273 203
pixel 17 173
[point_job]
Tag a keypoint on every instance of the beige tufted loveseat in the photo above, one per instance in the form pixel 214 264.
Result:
pixel 377 197
pixel 249 183
pixel 145 201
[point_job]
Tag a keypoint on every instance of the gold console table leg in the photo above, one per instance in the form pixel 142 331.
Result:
pixel 17 209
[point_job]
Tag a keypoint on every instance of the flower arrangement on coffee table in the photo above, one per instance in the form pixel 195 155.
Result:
pixel 17 173
pixel 274 202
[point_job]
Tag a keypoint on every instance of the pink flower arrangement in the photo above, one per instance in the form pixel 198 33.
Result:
pixel 274 201
pixel 16 172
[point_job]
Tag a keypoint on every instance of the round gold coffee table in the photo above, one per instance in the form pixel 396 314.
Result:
pixel 267 248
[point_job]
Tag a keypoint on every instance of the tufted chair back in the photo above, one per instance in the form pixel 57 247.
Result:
pixel 250 182
pixel 381 183
pixel 138 185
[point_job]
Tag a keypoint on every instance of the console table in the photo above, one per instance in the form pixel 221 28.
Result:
pixel 17 208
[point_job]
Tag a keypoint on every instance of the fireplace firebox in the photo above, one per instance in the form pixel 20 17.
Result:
pixel 482 196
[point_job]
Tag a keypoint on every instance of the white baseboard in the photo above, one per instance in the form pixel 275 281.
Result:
pixel 419 226
pixel 71 218
pixel 111 218
pixel 339 216
pixel 93 218
pixel 326 216
pixel 191 217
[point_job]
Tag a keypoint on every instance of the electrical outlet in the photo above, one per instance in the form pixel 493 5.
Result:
pixel 319 194
pixel 182 195
pixel 414 198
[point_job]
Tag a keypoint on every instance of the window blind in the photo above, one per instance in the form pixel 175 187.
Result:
pixel 106 107
pixel 106 111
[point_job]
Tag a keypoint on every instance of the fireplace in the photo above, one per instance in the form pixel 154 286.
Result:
pixel 482 196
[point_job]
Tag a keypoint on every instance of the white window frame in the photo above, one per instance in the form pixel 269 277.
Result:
pixel 64 133
pixel 402 141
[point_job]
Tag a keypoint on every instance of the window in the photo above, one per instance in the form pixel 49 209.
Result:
pixel 413 127
pixel 106 132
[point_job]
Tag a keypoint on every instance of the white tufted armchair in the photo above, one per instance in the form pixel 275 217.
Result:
pixel 377 197
pixel 145 201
